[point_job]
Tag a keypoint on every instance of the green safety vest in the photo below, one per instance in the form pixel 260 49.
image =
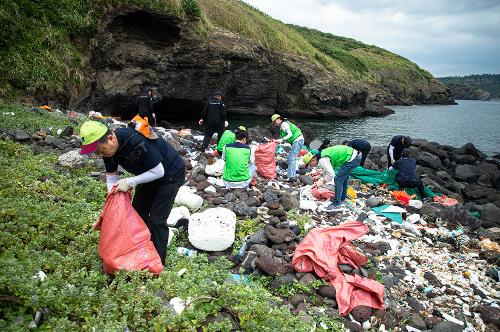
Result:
pixel 295 133
pixel 338 154
pixel 227 137
pixel 237 162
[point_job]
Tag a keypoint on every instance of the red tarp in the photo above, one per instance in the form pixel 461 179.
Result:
pixel 445 200
pixel 322 193
pixel 321 251
pixel 264 160
pixel 125 240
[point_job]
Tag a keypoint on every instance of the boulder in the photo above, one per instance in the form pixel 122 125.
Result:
pixel 257 238
pixel 272 265
pixel 327 291
pixel 361 313
pixel 176 214
pixel 467 173
pixel 20 135
pixel 216 169
pixel 71 159
pixel 283 280
pixel 212 229
pixel 463 159
pixel 489 212
pixel 470 149
pixel 186 198
pixel 429 160
pixel 447 326
pixel 417 322
pixel 243 210
pixel 271 197
pixel 289 202
pixel 434 149
pixel 306 179
pixel 279 235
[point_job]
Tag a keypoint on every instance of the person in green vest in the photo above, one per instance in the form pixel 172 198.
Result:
pixel 344 160
pixel 290 133
pixel 228 137
pixel 239 167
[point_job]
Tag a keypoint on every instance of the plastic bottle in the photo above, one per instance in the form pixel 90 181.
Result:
pixel 186 252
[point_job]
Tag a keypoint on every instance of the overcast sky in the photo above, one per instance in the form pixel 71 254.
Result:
pixel 446 37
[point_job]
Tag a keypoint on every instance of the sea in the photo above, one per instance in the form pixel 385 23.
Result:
pixel 468 121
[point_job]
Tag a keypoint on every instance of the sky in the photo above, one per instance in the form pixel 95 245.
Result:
pixel 445 37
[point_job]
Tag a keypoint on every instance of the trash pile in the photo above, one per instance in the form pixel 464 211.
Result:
pixel 433 262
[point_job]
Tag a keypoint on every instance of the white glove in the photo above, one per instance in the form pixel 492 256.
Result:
pixel 226 124
pixel 279 140
pixel 122 185
pixel 391 168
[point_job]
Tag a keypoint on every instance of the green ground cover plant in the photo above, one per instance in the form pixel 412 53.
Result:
pixel 49 260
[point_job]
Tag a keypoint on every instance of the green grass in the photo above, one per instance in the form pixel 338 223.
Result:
pixel 47 215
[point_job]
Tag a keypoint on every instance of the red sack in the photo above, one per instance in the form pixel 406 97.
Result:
pixel 125 241
pixel 322 193
pixel 264 160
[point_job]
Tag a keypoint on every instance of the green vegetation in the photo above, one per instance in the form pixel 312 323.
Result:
pixel 47 215
pixel 486 82
pixel 301 219
pixel 245 228
pixel 44 45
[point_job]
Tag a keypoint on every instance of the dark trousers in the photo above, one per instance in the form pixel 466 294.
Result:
pixel 412 184
pixel 153 201
pixel 342 179
pixel 209 132
pixel 364 154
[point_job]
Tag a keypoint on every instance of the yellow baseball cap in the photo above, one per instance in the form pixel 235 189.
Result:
pixel 242 128
pixel 90 133
pixel 275 116
pixel 307 157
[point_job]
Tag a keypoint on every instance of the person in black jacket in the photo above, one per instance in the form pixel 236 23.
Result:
pixel 145 104
pixel 325 144
pixel 407 173
pixel 398 143
pixel 362 146
pixel 157 169
pixel 215 119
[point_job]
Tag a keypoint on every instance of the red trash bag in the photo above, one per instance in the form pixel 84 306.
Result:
pixel 264 160
pixel 322 193
pixel 125 240
pixel 402 196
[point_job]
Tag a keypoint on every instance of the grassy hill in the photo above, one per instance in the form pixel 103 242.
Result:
pixel 43 43
pixel 486 82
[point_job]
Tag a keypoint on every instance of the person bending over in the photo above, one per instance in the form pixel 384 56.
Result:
pixel 290 133
pixel 239 167
pixel 397 144
pixel 157 168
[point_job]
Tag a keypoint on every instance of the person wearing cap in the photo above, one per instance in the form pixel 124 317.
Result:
pixel 396 146
pixel 145 105
pixel 215 119
pixel 290 133
pixel 157 168
pixel 342 158
pixel 239 167
pixel 228 137
pixel 362 146
pixel 407 173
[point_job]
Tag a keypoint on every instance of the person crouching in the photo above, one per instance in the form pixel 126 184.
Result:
pixel 239 167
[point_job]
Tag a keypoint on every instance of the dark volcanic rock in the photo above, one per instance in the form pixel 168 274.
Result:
pixel 470 149
pixel 467 173
pixel 327 291
pixel 279 235
pixel 306 179
pixel 446 326
pixel 417 322
pixel 20 135
pixel 272 265
pixel 283 280
pixel 361 313
pixel 429 160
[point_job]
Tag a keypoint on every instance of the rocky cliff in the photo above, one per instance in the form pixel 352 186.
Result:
pixel 138 47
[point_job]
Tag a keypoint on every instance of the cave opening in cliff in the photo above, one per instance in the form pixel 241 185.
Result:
pixel 178 109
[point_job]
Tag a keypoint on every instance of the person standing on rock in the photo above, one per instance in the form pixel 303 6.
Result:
pixel 240 162
pixel 157 168
pixel 407 173
pixel 341 158
pixel 290 133
pixel 362 146
pixel 228 137
pixel 398 143
pixel 145 104
pixel 215 119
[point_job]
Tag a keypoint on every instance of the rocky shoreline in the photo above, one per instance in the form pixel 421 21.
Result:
pixel 433 280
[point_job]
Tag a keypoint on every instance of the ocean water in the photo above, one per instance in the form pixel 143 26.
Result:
pixel 469 121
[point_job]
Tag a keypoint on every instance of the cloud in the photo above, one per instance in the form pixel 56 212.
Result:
pixel 445 37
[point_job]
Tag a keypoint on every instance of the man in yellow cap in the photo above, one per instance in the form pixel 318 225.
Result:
pixel 290 133
pixel 157 168
pixel 337 161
